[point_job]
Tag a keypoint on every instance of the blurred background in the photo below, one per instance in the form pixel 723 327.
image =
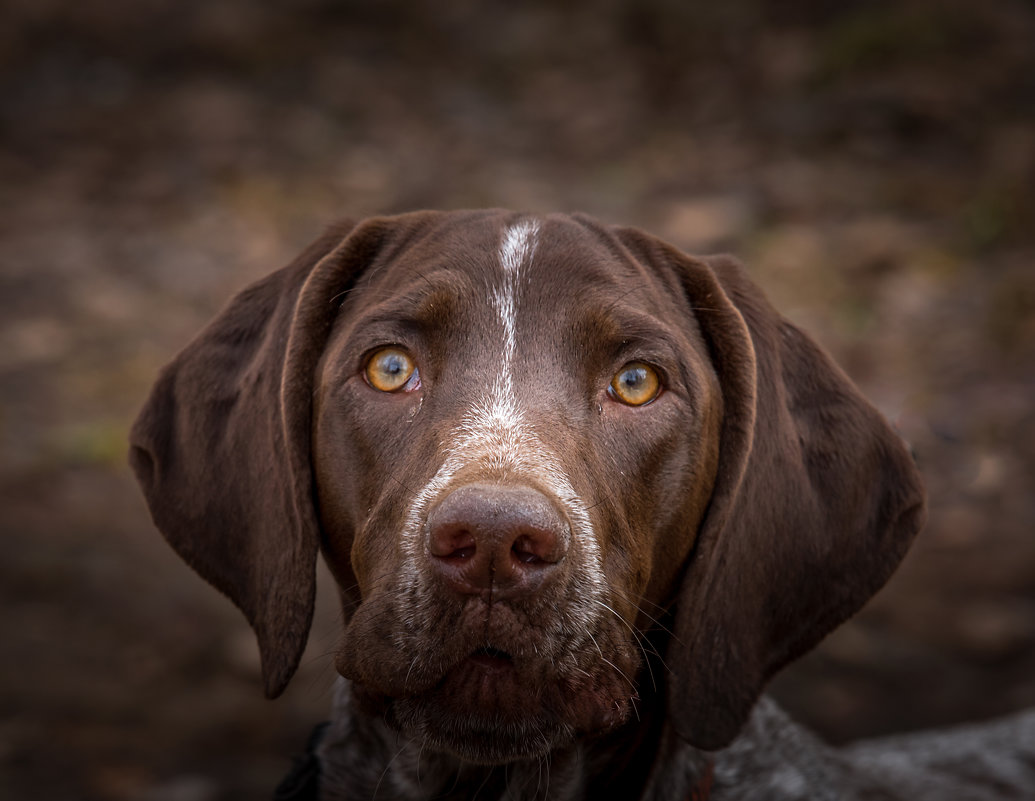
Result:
pixel 872 162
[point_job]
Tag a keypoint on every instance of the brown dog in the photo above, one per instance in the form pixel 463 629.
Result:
pixel 581 492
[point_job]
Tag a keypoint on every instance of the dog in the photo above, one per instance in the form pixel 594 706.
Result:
pixel 582 495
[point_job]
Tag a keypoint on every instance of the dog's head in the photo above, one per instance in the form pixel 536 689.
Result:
pixel 521 442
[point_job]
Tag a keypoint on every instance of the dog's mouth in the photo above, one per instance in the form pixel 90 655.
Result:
pixel 494 707
pixel 495 689
pixel 488 708
pixel 491 660
pixel 489 681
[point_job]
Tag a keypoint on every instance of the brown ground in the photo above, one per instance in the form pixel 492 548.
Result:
pixel 875 167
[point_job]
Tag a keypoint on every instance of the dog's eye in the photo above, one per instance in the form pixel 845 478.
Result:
pixel 392 369
pixel 636 384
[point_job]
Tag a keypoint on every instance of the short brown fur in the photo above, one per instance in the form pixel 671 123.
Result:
pixel 759 502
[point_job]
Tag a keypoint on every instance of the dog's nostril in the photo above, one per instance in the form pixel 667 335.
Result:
pixel 453 543
pixel 524 551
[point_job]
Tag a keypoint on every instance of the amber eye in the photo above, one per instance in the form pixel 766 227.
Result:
pixel 635 384
pixel 392 369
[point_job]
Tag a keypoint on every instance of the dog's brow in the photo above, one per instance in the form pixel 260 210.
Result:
pixel 421 302
pixel 623 323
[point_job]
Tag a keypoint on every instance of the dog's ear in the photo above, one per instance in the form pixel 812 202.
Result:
pixel 222 445
pixel 816 500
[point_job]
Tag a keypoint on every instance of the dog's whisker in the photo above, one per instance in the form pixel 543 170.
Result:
pixel 638 601
pixel 409 670
pixel 388 768
pixel 638 639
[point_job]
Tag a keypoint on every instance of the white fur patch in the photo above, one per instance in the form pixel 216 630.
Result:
pixel 518 245
pixel 516 250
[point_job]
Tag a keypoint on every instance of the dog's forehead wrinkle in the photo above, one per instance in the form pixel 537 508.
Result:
pixel 411 292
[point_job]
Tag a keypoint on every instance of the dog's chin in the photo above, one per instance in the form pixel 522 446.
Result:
pixel 476 739
pixel 485 711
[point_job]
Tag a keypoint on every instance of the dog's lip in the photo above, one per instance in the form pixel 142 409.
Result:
pixel 491 660
pixel 490 682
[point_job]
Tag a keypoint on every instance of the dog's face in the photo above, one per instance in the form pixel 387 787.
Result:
pixel 520 442
pixel 515 436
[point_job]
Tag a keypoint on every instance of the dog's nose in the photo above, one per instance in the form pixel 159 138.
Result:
pixel 506 540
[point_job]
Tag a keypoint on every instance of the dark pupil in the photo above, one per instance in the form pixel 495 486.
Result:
pixel 634 378
pixel 392 365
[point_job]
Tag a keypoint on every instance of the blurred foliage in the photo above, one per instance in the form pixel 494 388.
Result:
pixel 102 443
pixel 881 36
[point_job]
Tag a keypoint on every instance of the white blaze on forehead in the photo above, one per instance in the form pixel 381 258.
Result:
pixel 493 435
pixel 518 245
pixel 516 250
pixel 497 416
pixel 497 412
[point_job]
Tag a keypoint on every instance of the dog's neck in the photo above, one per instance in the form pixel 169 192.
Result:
pixel 362 757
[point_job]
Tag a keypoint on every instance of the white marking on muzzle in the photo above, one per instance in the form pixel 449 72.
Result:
pixel 493 434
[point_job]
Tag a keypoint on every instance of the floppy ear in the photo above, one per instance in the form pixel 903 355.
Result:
pixel 222 446
pixel 816 500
